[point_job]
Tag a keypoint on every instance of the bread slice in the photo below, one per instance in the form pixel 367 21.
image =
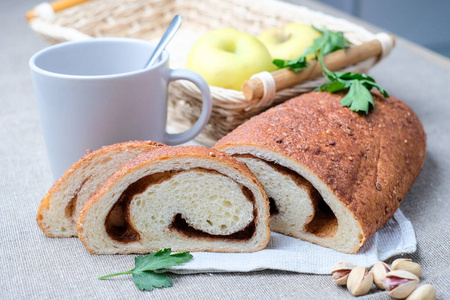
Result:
pixel 187 198
pixel 333 176
pixel 59 209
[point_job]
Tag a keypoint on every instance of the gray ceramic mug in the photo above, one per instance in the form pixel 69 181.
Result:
pixel 95 92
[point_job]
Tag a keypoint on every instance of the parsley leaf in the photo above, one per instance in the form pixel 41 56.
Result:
pixel 146 281
pixel 329 41
pixel 144 275
pixel 358 97
pixel 160 260
pixel 296 64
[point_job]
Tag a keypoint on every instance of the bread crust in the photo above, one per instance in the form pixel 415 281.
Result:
pixel 89 155
pixel 169 152
pixel 369 162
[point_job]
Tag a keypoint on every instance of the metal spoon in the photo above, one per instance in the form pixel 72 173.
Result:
pixel 168 35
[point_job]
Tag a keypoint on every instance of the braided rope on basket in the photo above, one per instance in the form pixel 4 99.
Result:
pixel 148 19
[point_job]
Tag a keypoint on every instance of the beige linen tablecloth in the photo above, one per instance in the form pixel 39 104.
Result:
pixel 36 267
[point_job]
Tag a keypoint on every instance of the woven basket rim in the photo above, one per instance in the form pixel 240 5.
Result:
pixel 230 108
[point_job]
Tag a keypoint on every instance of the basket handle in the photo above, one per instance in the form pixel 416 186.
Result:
pixel 256 87
pixel 50 8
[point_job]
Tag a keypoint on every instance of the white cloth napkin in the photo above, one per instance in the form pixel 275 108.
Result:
pixel 289 254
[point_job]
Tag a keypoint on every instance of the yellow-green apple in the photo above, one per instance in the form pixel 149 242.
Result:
pixel 227 58
pixel 290 41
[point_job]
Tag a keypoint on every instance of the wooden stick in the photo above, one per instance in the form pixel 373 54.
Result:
pixel 57 6
pixel 254 89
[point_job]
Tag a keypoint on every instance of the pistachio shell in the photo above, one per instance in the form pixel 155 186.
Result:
pixel 403 290
pixel 340 272
pixel 359 281
pixel 400 283
pixel 407 265
pixel 424 292
pixel 340 278
pixel 342 265
pixel 402 274
pixel 379 271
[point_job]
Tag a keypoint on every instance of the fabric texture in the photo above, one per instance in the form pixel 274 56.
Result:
pixel 285 253
pixel 34 266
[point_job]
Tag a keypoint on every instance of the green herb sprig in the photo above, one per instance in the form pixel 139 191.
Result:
pixel 144 272
pixel 358 98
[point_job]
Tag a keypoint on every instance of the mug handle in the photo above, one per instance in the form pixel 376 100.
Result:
pixel 178 138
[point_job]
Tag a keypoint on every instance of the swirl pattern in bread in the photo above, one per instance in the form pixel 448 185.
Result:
pixel 59 209
pixel 188 198
pixel 333 176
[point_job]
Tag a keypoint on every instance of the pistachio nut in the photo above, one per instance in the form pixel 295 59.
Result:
pixel 359 281
pixel 407 265
pixel 423 292
pixel 400 284
pixel 379 271
pixel 340 272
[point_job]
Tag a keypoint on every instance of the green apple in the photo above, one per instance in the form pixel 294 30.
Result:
pixel 227 58
pixel 290 41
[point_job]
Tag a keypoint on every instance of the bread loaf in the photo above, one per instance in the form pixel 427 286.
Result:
pixel 333 176
pixel 59 209
pixel 188 198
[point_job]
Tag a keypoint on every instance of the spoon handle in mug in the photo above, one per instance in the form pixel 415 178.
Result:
pixel 168 35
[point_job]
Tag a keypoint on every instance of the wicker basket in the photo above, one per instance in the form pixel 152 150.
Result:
pixel 147 19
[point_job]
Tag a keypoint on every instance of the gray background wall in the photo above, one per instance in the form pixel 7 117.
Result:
pixel 425 22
